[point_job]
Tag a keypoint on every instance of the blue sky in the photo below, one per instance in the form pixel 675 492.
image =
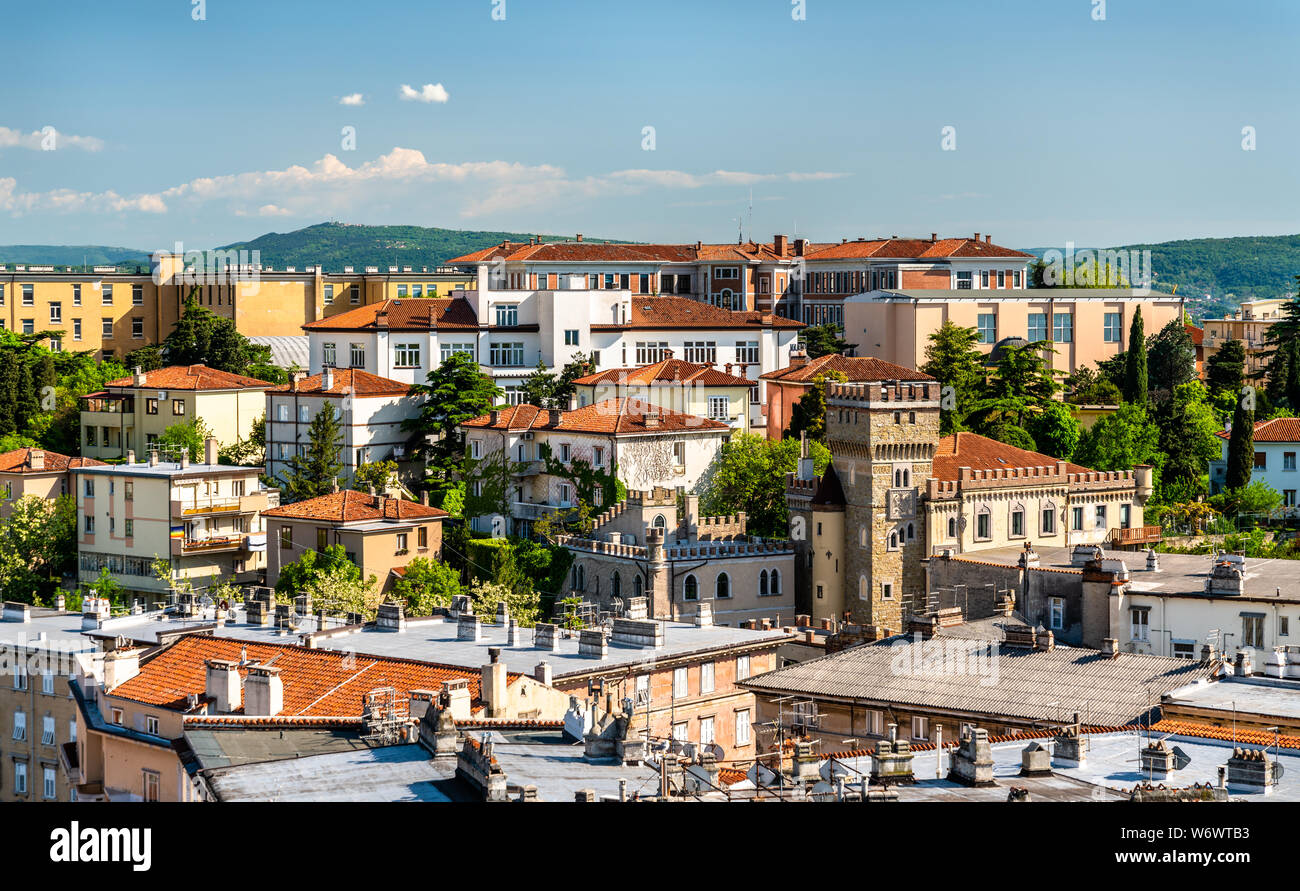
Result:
pixel 1067 128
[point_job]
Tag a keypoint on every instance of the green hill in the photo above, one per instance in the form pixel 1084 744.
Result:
pixel 335 245
pixel 72 255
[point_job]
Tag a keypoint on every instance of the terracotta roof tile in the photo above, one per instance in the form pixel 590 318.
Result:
pixel 347 381
pixel 20 461
pixel 668 371
pixel 408 314
pixel 1276 430
pixel 191 377
pixel 856 369
pixel 914 249
pixel 350 506
pixel 959 450
pixel 612 416
pixel 682 312
pixel 1196 334
pixel 317 683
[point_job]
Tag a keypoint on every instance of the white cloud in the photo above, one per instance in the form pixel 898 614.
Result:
pixel 427 93
pixel 353 99
pixel 39 140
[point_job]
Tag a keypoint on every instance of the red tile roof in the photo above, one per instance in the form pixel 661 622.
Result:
pixel 191 377
pixel 866 368
pixel 915 249
pixel 20 461
pixel 977 452
pixel 347 381
pixel 612 416
pixel 407 314
pixel 1276 430
pixel 1196 334
pixel 349 506
pixel 668 371
pixel 682 312
pixel 317 683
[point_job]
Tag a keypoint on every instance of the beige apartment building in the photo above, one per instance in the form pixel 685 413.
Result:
pixel 1085 325
pixel 704 391
pixel 380 534
pixel 39 472
pixel 1250 325
pixel 131 413
pixel 204 518
pixel 111 313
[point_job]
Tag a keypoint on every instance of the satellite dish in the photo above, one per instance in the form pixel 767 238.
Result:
pixel 1278 769
pixel 832 769
pixel 1181 758
pixel 718 752
pixel 760 775
pixel 823 791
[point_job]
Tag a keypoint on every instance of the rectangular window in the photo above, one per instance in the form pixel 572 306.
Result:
pixel 1037 327
pixel 1062 327
pixel 151 724
pixel 128 528
pixel 329 294
pixel 1111 328
pixel 304 414
pixel 1002 278
pixel 920 727
pixel 137 328
pixel 107 328
pixel 1049 521
pixel 706 678
pixel 742 727
pixel 20 725
pixel 1100 520
pixel 401 291
pixel 178 406
pixel 417 290
pixel 742 667
pixel 681 732
pixel 747 352
pixel 570 336
pixel 507 315
pixel 329 355
pixel 106 295
pixel 679 454
pixel 1139 624
pixel 1261 461
pixel 47 683
pixel 20 677
pixel 137 295
pixel 150 785
pixel 701 352
pixel 56 312
pixel 406 355
pixel 982 528
pixel 357 355
pixel 76 329
pixel 49 784
pixel 988 327
pixel 719 408
pixel 446 349
pixel 20 777
pixel 1076 519
pixel 1288 497
pixel 1125 513
pixel 984 279
pixel 286 537
pixel 647 353
pixel 354 294
pixel 1018 523
pixel 1252 630
pixel 1288 460
pixel 679 683
pixel 29 295
pixel 29 326
pixel 506 354
pixel 1056 612
pixel 422 537
pixel 963 281
pixel 706 731
pixel 598 456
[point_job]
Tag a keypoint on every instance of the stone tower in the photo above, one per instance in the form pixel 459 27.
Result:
pixel 883 436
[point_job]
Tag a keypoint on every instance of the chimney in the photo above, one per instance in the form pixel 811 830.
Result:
pixel 779 245
pixel 494 685
pixel 699 245
pixel 295 379
pixel 798 359
pixel 424 497
pixel 153 457
pixel 934 236
pixel 185 458
pixel 579 236
pixel 799 245
pixel 138 377
pixel 120 666
pixel 977 236
pixel 1109 647
pixel 222 684
pixel 264 691
pixel 542 673
pixel 327 379
pixel 36 458
pixel 130 456
pixel 554 417
pixel 210 450
pixel 988 239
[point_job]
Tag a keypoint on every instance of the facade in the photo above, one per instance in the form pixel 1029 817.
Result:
pixel 380 534
pixel 205 518
pixel 643 445
pixel 370 411
pixel 39 472
pixel 129 414
pixel 786 386
pixel 112 312
pixel 1277 443
pixel 687 387
pixel 682 566
pixel 1084 325
pixel 1250 325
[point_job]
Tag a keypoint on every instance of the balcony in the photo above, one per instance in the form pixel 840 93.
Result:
pixel 237 504
pixel 242 541
pixel 1137 535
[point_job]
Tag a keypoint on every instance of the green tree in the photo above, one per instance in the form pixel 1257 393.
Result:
pixel 1171 360
pixel 748 475
pixel 1055 430
pixel 333 581
pixel 1135 363
pixel 201 337
pixel 427 585
pixel 188 437
pixel 314 472
pixel 547 390
pixel 1120 441
pixel 1279 374
pixel 808 414
pixel 146 358
pixel 248 452
pixel 1225 370
pixel 1241 444
pixel 38 544
pixel 454 392
pixel 1020 384
pixel 1188 441
pixel 952 358
pixel 822 340
pixel 524 606
pixel 1089 387
pixel 380 474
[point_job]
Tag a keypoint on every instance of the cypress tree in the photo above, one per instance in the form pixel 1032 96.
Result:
pixel 1241 446
pixel 312 473
pixel 1135 364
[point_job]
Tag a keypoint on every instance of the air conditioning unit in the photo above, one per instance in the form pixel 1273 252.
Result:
pixel 526 437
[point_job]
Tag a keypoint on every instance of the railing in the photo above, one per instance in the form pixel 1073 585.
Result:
pixel 1136 535
pixel 216 543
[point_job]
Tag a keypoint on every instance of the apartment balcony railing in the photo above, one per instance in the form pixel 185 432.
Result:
pixel 215 544
pixel 1136 535
pixel 237 504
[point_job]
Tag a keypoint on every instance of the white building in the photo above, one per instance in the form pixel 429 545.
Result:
pixel 1277 442
pixel 370 410
pixel 642 445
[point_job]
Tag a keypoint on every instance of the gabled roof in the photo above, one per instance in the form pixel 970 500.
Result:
pixel 405 314
pixel 346 381
pixel 20 461
pixel 350 506
pixel 669 371
pixel 1276 430
pixel 855 369
pixel 915 249
pixel 317 682
pixel 1196 334
pixel 682 312
pixel 958 450
pixel 191 377
pixel 612 416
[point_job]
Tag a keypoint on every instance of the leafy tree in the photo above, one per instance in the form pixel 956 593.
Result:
pixel 314 472
pixel 1279 374
pixel 952 358
pixel 189 436
pixel 38 544
pixel 1018 387
pixel 822 340
pixel 547 390
pixel 454 392
pixel 146 358
pixel 1256 498
pixel 748 475
pixel 1120 440
pixel 1241 445
pixel 248 452
pixel 1135 363
pixel 1054 430
pixel 1188 440
pixel 427 585
pixel 1089 387
pixel 333 580
pixel 380 474
pixel 104 586
pixel 201 337
pixel 808 414
pixel 1171 360
pixel 524 606
pixel 1225 370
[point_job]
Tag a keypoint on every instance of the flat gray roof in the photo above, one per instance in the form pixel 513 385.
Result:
pixel 218 747
pixel 1259 696
pixel 1031 294
pixel 163 469
pixel 434 640
pixel 392 773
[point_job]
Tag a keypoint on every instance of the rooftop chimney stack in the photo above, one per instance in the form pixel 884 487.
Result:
pixel 327 379
pixel 222 684
pixel 265 691
pixel 138 377
pixel 36 458
pixel 494 685
pixel 153 457
pixel 579 236
pixel 130 456
pixel 210 450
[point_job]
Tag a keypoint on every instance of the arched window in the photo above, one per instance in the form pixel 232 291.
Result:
pixel 1049 519
pixel 952 527
pixel 1018 521
pixel 863 593
pixel 776 582
pixel 762 583
pixel 723 589
pixel 618 585
pixel 898 479
pixel 983 522
pixel 911 532
pixel 637 587
pixel 893 540
pixel 582 577
pixel 907 478
pixel 660 522
pixel 862 536
pixel 690 588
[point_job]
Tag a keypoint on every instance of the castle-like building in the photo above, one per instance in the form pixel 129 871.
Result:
pixel 898 493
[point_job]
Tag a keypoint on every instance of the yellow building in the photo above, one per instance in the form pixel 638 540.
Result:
pixel 37 472
pixel 130 413
pixel 1250 325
